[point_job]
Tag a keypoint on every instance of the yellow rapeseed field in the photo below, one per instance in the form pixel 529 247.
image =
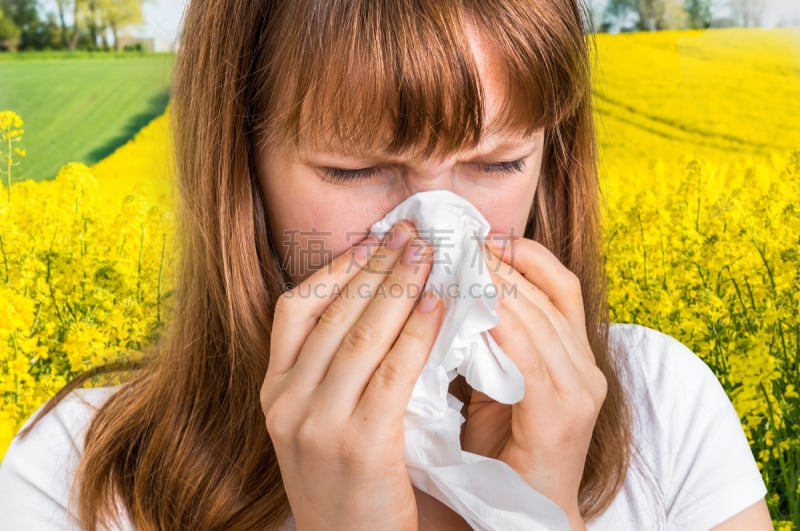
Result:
pixel 82 280
pixel 700 172
pixel 143 166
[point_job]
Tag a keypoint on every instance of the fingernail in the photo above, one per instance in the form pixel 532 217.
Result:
pixel 416 253
pixel 411 254
pixel 428 301
pixel 364 247
pixel 398 237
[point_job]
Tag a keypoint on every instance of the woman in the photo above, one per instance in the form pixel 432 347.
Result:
pixel 297 125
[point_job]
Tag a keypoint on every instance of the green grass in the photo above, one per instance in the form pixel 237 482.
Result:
pixel 81 109
pixel 35 55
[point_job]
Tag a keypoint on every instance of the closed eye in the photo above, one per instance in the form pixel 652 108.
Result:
pixel 505 167
pixel 340 175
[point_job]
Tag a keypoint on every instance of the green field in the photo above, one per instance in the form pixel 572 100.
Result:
pixel 81 109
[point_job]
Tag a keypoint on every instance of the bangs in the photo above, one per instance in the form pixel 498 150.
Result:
pixel 390 77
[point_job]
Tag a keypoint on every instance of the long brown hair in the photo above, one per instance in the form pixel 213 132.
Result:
pixel 183 444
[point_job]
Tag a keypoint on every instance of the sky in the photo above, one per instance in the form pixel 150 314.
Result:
pixel 777 9
pixel 163 17
pixel 774 10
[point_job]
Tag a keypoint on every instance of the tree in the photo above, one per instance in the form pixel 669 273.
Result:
pixel 620 15
pixel 649 13
pixel 661 14
pixel 116 14
pixel 92 20
pixel 749 12
pixel 9 32
pixel 24 16
pixel 699 13
pixel 674 15
pixel 44 35
pixel 22 12
pixel 21 27
pixel 63 7
pixel 79 8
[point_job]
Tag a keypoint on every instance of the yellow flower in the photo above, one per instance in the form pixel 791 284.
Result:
pixel 10 119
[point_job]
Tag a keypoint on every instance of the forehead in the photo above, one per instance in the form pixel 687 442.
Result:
pixel 498 143
pixel 425 93
pixel 497 131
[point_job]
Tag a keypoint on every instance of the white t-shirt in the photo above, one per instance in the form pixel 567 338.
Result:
pixel 684 424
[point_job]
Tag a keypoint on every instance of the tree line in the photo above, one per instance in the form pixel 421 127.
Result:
pixel 654 15
pixel 87 24
pixel 75 24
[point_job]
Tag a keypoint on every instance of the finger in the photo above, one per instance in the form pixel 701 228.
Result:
pixel 533 342
pixel 367 342
pixel 298 309
pixel 578 348
pixel 542 269
pixel 388 392
pixel 338 319
pixel 512 336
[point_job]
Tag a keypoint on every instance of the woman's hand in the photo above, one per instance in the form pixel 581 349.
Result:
pixel 344 357
pixel 546 436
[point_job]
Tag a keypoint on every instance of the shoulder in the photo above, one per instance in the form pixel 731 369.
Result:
pixel 657 358
pixel 687 429
pixel 37 471
pixel 669 384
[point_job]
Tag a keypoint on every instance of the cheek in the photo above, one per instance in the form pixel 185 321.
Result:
pixel 508 208
pixel 311 223
pixel 509 220
pixel 508 212
pixel 317 230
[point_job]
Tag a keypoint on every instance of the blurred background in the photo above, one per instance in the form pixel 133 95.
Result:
pixel 697 106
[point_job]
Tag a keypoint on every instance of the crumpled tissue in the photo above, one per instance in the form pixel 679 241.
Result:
pixel 487 493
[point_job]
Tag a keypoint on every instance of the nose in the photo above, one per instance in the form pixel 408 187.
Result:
pixel 431 175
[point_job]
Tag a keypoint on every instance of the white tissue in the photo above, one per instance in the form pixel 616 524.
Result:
pixel 487 493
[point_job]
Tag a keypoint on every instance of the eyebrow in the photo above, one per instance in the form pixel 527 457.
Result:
pixel 501 148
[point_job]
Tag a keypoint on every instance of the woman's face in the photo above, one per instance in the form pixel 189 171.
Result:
pixel 314 215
